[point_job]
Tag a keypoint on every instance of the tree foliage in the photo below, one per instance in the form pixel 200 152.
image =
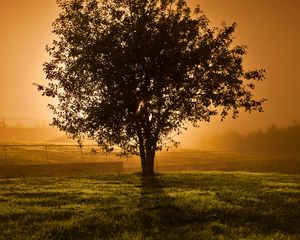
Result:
pixel 129 73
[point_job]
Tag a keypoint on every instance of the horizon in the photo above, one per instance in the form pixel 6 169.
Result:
pixel 214 141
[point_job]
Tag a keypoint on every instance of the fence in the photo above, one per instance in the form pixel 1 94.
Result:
pixel 51 154
pixel 55 160
pixel 54 154
pixel 165 161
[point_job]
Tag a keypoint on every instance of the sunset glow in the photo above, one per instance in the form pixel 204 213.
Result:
pixel 149 119
pixel 268 28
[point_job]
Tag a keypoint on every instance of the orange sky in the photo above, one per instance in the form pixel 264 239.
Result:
pixel 270 29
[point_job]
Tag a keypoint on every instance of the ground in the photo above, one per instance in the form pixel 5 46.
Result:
pixel 199 205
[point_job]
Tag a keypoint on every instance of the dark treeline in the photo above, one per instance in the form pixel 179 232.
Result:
pixel 275 139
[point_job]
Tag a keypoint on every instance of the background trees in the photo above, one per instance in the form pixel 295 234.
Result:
pixel 129 73
pixel 273 139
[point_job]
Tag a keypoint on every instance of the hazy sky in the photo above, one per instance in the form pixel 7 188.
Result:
pixel 270 29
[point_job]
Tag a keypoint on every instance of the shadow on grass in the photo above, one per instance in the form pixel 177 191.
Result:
pixel 161 216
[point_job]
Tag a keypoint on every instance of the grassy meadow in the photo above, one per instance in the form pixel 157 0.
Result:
pixel 198 205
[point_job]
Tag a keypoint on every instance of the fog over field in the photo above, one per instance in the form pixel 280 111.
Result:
pixel 275 149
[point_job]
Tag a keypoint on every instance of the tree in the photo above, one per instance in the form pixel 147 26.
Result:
pixel 128 73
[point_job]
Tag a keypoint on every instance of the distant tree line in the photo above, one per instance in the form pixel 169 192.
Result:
pixel 275 139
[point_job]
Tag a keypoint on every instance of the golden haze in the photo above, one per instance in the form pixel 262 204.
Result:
pixel 270 29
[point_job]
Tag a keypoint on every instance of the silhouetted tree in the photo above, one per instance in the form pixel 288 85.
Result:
pixel 128 73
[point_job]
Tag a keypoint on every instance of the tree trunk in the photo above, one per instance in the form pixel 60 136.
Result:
pixel 148 164
pixel 147 147
pixel 147 154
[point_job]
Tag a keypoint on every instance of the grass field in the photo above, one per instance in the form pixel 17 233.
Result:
pixel 206 205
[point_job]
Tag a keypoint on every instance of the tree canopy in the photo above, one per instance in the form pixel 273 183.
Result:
pixel 128 73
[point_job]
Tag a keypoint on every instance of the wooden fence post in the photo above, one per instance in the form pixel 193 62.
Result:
pixel 3 123
pixel 81 154
pixel 5 153
pixel 46 150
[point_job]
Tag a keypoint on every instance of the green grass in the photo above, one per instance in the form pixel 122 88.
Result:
pixel 207 205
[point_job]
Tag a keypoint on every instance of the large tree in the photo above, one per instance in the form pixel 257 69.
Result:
pixel 128 73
